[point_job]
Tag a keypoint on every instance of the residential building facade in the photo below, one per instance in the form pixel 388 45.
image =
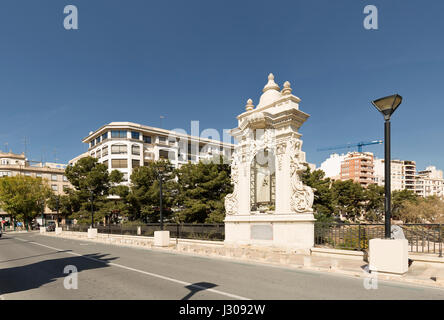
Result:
pixel 430 182
pixel 359 167
pixel 126 145
pixel 403 174
pixel 53 174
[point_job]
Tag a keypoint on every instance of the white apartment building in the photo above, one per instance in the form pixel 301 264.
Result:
pixel 430 182
pixel 332 166
pixel 402 174
pixel 126 145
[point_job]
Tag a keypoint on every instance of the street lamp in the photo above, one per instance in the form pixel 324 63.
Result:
pixel 160 174
pixel 92 208
pixel 387 106
pixel 57 206
pixel 43 213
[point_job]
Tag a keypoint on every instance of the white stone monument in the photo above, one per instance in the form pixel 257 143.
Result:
pixel 270 205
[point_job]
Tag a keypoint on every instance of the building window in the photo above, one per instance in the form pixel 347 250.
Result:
pixel 172 141
pixel 104 136
pixel 93 154
pixel 105 163
pixel 118 134
pixel 104 151
pixel 65 178
pixel 135 163
pixel 162 140
pixel 54 187
pixel 135 135
pixel 38 175
pixel 118 149
pixel 98 153
pixel 92 143
pixel 119 163
pixel 97 140
pixel 135 150
pixel 147 139
pixel 53 177
pixel 163 154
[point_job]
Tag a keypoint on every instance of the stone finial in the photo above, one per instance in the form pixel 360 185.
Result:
pixel 270 84
pixel 287 89
pixel 249 106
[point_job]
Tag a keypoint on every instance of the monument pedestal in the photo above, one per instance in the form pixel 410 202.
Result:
pixel 161 238
pixel 286 231
pixel 92 233
pixel 389 256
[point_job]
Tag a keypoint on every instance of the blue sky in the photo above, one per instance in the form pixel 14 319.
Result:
pixel 201 60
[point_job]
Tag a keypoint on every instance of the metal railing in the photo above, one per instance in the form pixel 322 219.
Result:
pixel 422 238
pixel 75 227
pixel 200 231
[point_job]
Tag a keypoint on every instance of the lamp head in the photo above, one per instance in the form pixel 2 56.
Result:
pixel 387 105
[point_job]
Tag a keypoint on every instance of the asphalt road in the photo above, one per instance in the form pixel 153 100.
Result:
pixel 31 267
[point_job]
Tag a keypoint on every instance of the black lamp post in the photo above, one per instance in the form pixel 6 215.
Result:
pixel 43 213
pixel 92 208
pixel 57 206
pixel 160 174
pixel 387 106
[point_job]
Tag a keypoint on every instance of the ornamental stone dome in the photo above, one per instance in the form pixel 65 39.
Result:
pixel 271 92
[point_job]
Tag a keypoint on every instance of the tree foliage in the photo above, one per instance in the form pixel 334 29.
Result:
pixel 399 200
pixel 202 188
pixel 23 197
pixel 91 181
pixel 422 210
pixel 323 204
pixel 66 204
pixel 348 199
pixel 374 197
pixel 143 198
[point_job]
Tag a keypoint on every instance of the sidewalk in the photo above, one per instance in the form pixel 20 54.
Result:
pixel 425 270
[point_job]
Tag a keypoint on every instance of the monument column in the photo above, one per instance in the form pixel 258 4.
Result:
pixel 270 205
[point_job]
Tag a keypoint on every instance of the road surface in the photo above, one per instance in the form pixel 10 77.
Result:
pixel 32 267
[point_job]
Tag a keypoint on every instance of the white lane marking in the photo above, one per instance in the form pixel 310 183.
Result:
pixel 146 273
